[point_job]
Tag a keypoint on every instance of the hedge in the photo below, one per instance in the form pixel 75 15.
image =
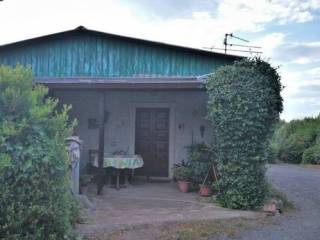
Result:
pixel 243 107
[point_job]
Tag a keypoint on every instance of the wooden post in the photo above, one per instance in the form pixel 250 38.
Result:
pixel 100 179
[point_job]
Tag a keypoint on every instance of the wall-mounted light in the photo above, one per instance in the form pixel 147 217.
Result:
pixel 202 129
pixel 181 126
pixel 93 123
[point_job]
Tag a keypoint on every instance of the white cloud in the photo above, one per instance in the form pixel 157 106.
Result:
pixel 314 71
pixel 300 108
pixel 201 15
pixel 301 53
pixel 302 92
pixel 302 60
pixel 201 28
pixel 197 27
pixel 270 42
pixel 312 44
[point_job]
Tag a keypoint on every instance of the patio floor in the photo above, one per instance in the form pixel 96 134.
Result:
pixel 148 203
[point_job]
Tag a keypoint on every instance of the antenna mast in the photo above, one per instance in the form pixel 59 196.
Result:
pixel 226 43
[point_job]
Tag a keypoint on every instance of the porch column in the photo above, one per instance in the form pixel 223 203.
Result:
pixel 101 121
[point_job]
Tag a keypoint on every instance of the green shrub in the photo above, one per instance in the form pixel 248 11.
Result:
pixel 201 157
pixel 312 155
pixel 293 147
pixel 244 105
pixel 291 139
pixel 35 198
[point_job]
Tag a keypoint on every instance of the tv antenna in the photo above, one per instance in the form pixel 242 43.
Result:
pixel 240 47
pixel 243 48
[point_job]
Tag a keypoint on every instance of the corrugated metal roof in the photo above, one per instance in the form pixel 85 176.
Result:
pixel 87 53
pixel 105 34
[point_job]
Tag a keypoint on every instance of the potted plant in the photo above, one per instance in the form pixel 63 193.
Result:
pixel 208 182
pixel 205 190
pixel 205 186
pixel 182 174
pixel 85 179
pixel 201 158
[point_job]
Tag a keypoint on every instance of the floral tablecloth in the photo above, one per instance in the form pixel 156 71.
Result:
pixel 121 162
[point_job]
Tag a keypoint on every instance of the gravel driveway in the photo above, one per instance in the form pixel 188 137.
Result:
pixel 302 186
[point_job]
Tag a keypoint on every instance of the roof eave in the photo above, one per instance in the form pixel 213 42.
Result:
pixel 159 83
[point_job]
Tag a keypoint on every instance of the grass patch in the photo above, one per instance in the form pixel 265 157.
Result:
pixel 203 229
pixel 193 230
pixel 314 166
pixel 206 199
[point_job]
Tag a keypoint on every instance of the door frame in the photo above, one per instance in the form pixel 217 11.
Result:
pixel 168 105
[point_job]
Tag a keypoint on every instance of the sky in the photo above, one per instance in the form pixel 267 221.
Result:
pixel 287 30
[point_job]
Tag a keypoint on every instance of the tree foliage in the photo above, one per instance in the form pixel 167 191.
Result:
pixel 312 155
pixel 243 107
pixel 296 141
pixel 35 200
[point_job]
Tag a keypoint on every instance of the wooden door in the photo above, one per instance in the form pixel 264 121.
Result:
pixel 152 141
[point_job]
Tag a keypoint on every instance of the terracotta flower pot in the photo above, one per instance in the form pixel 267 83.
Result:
pixel 205 190
pixel 183 186
pixel 83 189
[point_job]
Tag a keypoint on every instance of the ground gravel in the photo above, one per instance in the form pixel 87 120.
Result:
pixel 302 187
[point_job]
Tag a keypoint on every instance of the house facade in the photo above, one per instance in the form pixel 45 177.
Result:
pixel 129 95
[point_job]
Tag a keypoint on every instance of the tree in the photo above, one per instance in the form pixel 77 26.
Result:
pixel 35 200
pixel 243 107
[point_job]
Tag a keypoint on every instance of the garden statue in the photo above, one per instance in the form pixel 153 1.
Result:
pixel 74 148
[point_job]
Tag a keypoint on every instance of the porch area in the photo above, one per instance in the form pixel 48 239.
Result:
pixel 148 203
pixel 157 124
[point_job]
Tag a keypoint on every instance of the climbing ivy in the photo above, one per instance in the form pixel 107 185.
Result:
pixel 243 107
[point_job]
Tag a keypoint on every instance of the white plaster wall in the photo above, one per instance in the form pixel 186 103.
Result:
pixel 187 110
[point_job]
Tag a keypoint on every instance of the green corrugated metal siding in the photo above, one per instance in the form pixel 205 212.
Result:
pixel 96 56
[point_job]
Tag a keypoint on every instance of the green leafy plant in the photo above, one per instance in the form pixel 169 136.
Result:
pixel 243 107
pixel 182 173
pixel 201 158
pixel 85 179
pixel 35 199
